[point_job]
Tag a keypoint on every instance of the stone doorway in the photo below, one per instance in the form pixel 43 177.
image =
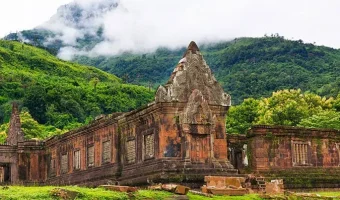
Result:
pixel 199 149
pixel 5 173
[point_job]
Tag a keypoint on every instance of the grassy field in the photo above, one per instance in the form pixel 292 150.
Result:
pixel 44 193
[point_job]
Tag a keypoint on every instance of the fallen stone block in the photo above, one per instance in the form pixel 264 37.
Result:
pixel 274 188
pixel 180 189
pixel 234 181
pixel 224 182
pixel 169 187
pixel 204 189
pixel 155 187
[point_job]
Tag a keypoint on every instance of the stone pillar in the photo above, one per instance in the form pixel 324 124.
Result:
pixel 306 154
pixel 14 173
pixel 297 154
pixel 212 158
pixel 187 147
pixel 294 153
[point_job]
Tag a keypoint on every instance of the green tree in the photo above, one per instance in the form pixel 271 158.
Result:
pixel 35 101
pixel 289 107
pixel 285 107
pixel 336 104
pixel 324 119
pixel 241 117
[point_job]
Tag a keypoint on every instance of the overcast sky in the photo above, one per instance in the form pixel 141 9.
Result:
pixel 17 15
pixel 146 24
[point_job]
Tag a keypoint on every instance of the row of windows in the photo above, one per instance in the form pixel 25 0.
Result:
pixel 148 148
pixel 301 152
pixel 64 165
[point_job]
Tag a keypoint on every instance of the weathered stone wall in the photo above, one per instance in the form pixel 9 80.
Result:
pixel 303 158
pixel 288 147
pixel 148 145
pixel 31 162
pixel 8 156
pixel 70 155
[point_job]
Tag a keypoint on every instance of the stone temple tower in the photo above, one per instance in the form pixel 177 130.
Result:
pixel 15 133
pixel 192 77
pixel 201 107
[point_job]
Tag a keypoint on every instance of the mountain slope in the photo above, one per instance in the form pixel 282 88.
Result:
pixel 246 67
pixel 60 93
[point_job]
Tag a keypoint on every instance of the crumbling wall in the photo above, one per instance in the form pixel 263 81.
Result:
pixel 287 147
pixel 304 158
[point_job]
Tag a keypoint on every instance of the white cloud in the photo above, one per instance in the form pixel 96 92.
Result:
pixel 142 26
pixel 67 53
pixel 17 15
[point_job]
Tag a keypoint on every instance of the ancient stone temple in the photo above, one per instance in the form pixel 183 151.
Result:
pixel 180 137
pixel 21 160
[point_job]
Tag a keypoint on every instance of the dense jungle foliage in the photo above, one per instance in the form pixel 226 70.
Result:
pixel 56 95
pixel 286 107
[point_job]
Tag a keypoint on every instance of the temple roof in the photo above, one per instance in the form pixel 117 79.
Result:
pixel 192 73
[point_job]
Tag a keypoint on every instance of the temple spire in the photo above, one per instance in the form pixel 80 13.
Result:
pixel 192 47
pixel 15 133
pixel 192 73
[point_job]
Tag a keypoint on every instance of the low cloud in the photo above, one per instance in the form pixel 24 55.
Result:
pixel 143 26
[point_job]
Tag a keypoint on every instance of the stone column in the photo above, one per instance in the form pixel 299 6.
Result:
pixel 298 154
pixel 293 153
pixel 14 173
pixel 306 154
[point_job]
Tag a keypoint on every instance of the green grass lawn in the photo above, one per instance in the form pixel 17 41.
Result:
pixel 44 193
pixel 23 193
pixel 329 194
pixel 245 197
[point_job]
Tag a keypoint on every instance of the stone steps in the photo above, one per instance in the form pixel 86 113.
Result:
pixel 261 183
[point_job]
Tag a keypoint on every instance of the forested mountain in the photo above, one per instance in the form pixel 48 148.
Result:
pixel 246 67
pixel 59 93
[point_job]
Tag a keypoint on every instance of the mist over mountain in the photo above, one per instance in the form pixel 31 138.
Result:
pixel 112 27
pixel 142 41
pixel 77 26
